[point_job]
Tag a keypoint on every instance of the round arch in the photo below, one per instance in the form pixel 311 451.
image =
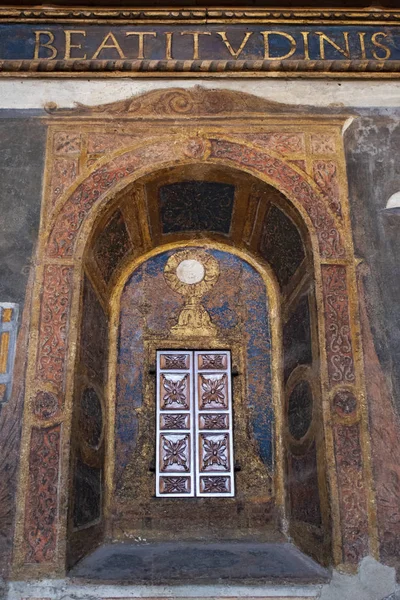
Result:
pixel 75 214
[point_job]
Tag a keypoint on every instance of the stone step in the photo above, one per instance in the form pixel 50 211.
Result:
pixel 197 563
pixel 67 589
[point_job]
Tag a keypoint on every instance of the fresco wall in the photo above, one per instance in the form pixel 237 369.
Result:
pixel 371 145
pixel 22 144
pixel 374 175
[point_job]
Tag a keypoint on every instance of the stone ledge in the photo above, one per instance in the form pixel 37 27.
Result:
pixel 63 589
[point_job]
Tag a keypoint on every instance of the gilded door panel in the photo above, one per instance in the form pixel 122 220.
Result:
pixel 214 421
pixel 194 424
pixel 213 408
pixel 175 455
pixel 215 486
pixel 175 391
pixel 174 421
pixel 175 486
pixel 213 393
pixel 174 464
pixel 214 452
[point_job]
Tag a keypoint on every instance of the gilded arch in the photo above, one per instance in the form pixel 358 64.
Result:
pixel 102 181
pixel 303 158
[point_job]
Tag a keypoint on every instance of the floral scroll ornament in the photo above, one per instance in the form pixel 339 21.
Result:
pixel 175 485
pixel 215 453
pixel 175 453
pixel 338 339
pixel 344 403
pixel 174 421
pixel 175 361
pixel 214 421
pixel 174 391
pixel 213 361
pixel 214 485
pixel 41 524
pixel 195 148
pixel 45 404
pixel 192 273
pixel 213 391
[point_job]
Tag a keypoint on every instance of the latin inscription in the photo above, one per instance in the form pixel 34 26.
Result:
pixel 212 42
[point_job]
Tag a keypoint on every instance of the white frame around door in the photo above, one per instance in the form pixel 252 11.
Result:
pixel 194 429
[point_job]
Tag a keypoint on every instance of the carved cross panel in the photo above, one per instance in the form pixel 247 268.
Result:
pixel 194 424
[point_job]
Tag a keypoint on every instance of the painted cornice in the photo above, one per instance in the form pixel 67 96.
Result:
pixel 199 15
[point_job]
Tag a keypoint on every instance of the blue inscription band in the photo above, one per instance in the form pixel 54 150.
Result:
pixel 79 45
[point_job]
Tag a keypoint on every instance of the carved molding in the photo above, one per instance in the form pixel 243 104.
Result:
pixel 190 103
pixel 364 68
pixel 198 14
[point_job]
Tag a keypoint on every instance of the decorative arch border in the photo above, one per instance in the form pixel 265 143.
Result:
pixel 40 540
pixel 155 155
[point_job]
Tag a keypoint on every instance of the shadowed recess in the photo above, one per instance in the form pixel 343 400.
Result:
pixel 300 410
pixel 87 502
pixel 112 245
pixel 238 308
pixel 303 487
pixel 91 417
pixel 93 334
pixel 297 338
pixel 281 245
pixel 203 563
pixel 196 206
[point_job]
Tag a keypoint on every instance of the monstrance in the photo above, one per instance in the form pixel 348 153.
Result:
pixel 192 273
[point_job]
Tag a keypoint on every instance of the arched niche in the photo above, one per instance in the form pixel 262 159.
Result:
pixel 298 202
pixel 257 232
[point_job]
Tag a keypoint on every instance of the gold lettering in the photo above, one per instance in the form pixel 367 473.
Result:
pixel 379 45
pixel 289 37
pixel 48 44
pixel 361 36
pixel 69 45
pixel 168 45
pixel 234 53
pixel 305 35
pixel 141 35
pixel 324 38
pixel 105 45
pixel 195 35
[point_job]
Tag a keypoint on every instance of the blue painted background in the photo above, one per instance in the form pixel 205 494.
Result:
pixel 237 304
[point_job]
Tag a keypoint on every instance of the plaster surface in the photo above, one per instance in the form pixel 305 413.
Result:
pixel 22 145
pixel 373 581
pixel 35 93
pixel 61 589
